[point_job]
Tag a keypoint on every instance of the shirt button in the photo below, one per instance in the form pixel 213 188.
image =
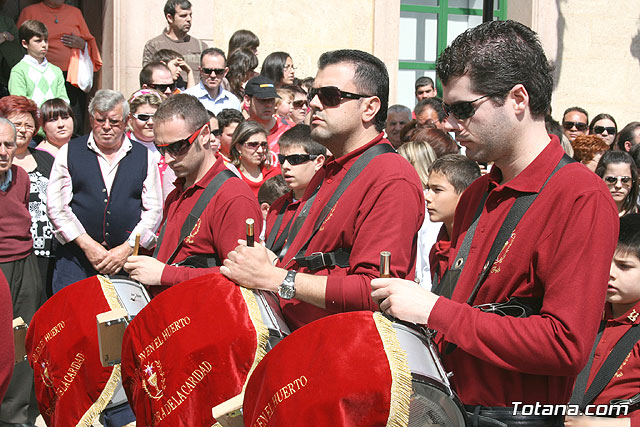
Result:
pixel 108 212
pixel 329 181
pixel 105 200
pixel 104 190
pixel 106 234
pixel 107 224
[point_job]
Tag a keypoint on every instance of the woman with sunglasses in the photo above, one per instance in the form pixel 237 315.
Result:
pixel 619 172
pixel 278 66
pixel 57 124
pixel 143 105
pixel 604 125
pixel 250 154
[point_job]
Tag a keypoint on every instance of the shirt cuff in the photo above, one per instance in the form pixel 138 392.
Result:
pixel 69 232
pixel 349 293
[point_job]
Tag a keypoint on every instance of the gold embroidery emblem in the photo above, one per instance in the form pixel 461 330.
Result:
pixel 619 372
pixel 633 315
pixel 328 217
pixel 153 380
pixel 194 232
pixel 495 268
pixel 46 379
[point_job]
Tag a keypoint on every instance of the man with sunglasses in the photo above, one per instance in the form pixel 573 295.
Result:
pixel 182 136
pixel 213 68
pixel 156 75
pixel 497 86
pixel 575 121
pixel 332 252
pixel 103 190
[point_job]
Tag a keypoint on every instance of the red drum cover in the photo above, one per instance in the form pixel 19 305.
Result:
pixel 190 349
pixel 343 370
pixel 72 386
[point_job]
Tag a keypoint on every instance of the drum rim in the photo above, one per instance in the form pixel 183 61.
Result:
pixel 448 391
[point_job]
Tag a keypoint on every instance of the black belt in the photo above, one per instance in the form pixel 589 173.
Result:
pixel 319 260
pixel 483 416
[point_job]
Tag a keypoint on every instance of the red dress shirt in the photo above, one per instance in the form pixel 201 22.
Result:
pixel 626 381
pixel 221 224
pixel 382 210
pixel 560 251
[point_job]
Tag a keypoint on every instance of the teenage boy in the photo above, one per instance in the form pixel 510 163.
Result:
pixel 300 158
pixel 34 76
pixel 622 313
pixel 228 120
pixel 449 176
pixel 176 63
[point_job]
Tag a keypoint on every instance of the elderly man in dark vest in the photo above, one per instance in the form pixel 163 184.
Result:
pixel 103 190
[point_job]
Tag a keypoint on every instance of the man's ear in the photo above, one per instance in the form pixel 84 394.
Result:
pixel 169 18
pixel 318 162
pixel 370 107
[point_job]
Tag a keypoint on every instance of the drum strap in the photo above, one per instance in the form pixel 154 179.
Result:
pixel 192 219
pixel 339 257
pixel 272 243
pixel 607 370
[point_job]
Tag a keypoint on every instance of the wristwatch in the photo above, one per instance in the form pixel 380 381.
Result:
pixel 287 288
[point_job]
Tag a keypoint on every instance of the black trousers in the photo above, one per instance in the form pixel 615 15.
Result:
pixel 482 416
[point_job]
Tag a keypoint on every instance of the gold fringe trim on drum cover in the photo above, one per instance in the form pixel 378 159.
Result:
pixel 98 406
pixel 401 379
pixel 262 332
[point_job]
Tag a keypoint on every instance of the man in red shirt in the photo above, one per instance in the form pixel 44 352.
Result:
pixel 497 88
pixel 182 135
pixel 348 112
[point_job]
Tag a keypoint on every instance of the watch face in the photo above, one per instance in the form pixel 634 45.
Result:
pixel 286 292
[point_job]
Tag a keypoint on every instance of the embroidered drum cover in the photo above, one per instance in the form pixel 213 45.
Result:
pixel 191 348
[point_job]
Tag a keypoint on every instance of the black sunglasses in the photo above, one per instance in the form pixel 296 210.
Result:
pixel 142 117
pixel 216 132
pixel 179 147
pixel 296 159
pixel 579 125
pixel 209 71
pixel 614 179
pixel 330 96
pixel 462 110
pixel 162 87
pixel 600 129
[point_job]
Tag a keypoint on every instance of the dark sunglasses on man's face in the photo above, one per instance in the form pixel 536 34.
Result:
pixel 216 132
pixel 179 147
pixel 161 87
pixel 462 110
pixel 143 117
pixel 330 96
pixel 600 129
pixel 209 71
pixel 296 159
pixel 579 125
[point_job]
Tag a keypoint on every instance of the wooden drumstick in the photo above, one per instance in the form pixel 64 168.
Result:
pixel 250 236
pixel 136 246
pixel 385 264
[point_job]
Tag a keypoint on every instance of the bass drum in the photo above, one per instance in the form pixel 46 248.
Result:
pixel 433 402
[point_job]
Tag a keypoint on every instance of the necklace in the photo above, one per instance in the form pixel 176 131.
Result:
pixel 56 21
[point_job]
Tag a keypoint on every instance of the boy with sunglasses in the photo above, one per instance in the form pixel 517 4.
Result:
pixel 300 158
pixel 575 121
pixel 497 86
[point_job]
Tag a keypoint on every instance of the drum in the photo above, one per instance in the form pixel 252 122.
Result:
pixel 433 402
pixel 269 307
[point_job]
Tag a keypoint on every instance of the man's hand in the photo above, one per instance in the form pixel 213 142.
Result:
pixel 72 41
pixel 584 421
pixel 252 267
pixel 93 250
pixel 145 269
pixel 115 259
pixel 403 299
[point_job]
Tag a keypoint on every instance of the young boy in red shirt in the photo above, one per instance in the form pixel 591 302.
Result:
pixel 622 313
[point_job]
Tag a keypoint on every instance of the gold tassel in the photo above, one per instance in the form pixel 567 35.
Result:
pixel 262 332
pixel 401 379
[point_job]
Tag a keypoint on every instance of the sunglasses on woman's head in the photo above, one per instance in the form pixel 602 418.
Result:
pixel 179 147
pixel 330 96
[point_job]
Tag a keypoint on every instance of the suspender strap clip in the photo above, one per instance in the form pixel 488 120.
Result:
pixel 321 260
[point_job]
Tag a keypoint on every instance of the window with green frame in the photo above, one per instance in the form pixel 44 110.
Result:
pixel 426 29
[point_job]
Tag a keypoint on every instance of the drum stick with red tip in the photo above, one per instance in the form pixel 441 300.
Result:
pixel 250 236
pixel 136 246
pixel 385 264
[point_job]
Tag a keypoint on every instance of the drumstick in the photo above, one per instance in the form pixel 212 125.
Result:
pixel 250 237
pixel 385 264
pixel 136 247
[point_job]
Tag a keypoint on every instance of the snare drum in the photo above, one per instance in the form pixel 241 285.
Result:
pixel 269 307
pixel 433 402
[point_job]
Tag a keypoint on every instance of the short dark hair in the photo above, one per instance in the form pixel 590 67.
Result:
pixel 498 55
pixel 213 51
pixel 170 6
pixel 459 170
pixel 166 55
pixel 613 157
pixel 228 116
pixel 295 89
pixel 627 133
pixel 243 39
pixel 53 108
pixel 186 107
pixel 635 154
pixel 300 135
pixel 146 74
pixel 272 189
pixel 273 66
pixel 578 109
pixel 629 236
pixel 32 28
pixel 370 78
pixel 435 103
pixel 552 126
pixel 424 81
pixel 600 117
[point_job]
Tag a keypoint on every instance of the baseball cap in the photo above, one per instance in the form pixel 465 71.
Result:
pixel 261 87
